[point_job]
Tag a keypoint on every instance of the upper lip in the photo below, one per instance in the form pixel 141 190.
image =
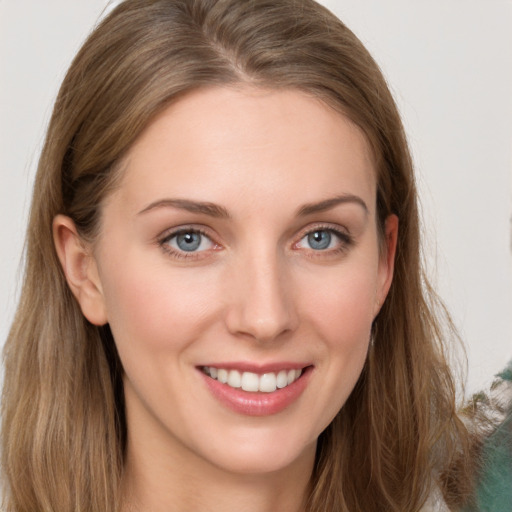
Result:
pixel 244 366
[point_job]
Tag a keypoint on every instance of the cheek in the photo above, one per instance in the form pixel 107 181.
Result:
pixel 343 319
pixel 153 308
pixel 342 307
pixel 341 314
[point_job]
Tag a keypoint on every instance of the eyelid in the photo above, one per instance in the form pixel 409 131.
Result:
pixel 167 235
pixel 324 226
pixel 343 234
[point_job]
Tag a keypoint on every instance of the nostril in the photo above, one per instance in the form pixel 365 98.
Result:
pixel 260 306
pixel 262 328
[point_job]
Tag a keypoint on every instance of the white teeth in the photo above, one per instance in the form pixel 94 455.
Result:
pixel 268 382
pixel 234 379
pixel 252 382
pixel 282 379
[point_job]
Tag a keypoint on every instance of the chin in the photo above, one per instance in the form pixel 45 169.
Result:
pixel 262 454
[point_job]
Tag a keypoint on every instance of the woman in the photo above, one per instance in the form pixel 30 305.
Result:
pixel 223 302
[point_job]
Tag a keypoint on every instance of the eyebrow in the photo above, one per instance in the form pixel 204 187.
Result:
pixel 217 211
pixel 328 204
pixel 210 209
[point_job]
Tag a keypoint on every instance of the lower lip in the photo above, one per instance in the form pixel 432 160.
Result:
pixel 258 404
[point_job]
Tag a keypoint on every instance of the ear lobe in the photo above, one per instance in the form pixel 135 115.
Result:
pixel 387 260
pixel 80 269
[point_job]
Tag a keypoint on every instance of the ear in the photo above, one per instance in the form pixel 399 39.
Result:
pixel 80 269
pixel 387 260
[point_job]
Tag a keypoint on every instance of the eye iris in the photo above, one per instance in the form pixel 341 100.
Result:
pixel 319 240
pixel 188 241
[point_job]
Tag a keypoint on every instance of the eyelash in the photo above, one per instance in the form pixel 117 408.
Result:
pixel 345 242
pixel 163 242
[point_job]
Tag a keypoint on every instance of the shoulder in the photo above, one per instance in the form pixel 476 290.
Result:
pixel 493 491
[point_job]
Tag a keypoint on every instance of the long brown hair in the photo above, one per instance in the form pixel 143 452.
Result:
pixel 398 436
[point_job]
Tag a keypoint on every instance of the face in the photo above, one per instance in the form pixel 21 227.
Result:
pixel 240 269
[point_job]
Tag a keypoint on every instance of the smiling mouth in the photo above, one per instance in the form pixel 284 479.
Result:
pixel 253 382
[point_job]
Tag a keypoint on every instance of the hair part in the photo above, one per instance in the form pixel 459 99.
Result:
pixel 64 430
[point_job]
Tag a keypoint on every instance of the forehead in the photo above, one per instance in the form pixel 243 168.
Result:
pixel 217 142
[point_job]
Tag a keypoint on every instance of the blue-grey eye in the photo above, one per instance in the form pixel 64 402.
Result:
pixel 319 240
pixel 322 239
pixel 190 241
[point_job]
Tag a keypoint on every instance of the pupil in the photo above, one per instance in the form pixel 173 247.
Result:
pixel 319 240
pixel 188 241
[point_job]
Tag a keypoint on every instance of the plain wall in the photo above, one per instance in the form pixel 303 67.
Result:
pixel 449 64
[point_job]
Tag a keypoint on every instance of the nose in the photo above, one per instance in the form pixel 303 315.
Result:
pixel 261 304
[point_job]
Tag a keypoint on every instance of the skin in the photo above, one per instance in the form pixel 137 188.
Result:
pixel 255 291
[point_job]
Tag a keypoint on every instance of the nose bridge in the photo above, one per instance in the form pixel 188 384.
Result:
pixel 262 306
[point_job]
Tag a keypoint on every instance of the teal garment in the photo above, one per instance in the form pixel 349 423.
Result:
pixel 494 487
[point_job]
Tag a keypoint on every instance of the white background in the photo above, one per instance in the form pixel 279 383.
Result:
pixel 449 64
